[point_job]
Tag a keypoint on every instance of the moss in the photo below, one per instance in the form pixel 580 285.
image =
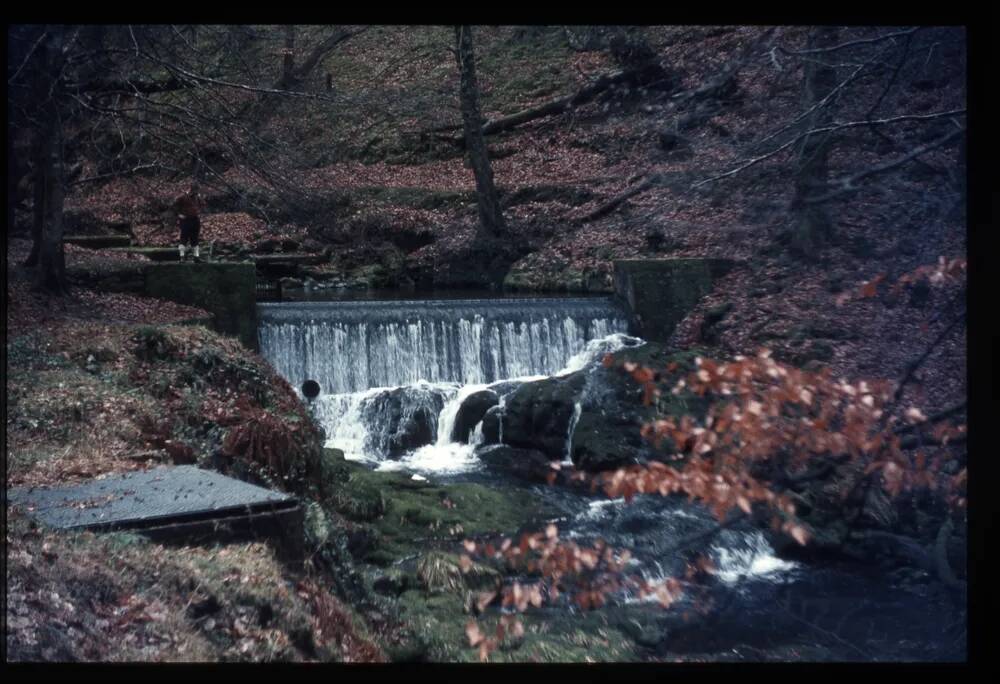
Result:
pixel 552 636
pixel 566 280
pixel 410 516
pixel 440 572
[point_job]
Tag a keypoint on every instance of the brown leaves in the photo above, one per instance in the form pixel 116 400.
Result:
pixel 766 411
pixel 870 288
pixel 946 270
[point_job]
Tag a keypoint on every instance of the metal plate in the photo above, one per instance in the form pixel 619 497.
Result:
pixel 153 497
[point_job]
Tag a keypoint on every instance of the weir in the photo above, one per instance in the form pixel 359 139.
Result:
pixel 393 373
pixel 354 346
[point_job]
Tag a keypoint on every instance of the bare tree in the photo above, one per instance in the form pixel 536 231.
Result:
pixel 490 217
pixel 812 224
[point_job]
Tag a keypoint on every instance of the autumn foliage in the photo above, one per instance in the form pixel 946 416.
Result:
pixel 768 424
pixel 265 439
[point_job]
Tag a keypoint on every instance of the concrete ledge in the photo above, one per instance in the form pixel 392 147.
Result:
pixel 227 290
pixel 152 253
pixel 659 293
pixel 98 241
pixel 181 504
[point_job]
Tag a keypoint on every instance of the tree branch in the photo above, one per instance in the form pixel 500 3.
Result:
pixel 940 415
pixel 912 367
pixel 848 185
pixel 831 128
pixel 852 43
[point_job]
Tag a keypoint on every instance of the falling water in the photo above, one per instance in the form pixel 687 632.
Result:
pixel 354 346
pixel 376 361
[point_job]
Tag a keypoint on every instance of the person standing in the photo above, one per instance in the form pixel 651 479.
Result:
pixel 188 207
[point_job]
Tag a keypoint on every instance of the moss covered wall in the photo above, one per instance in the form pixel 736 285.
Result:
pixel 660 292
pixel 227 290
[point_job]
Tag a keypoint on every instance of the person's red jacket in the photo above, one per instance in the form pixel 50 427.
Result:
pixel 188 205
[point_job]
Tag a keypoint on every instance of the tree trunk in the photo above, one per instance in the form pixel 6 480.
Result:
pixel 288 61
pixel 51 273
pixel 37 202
pixel 490 217
pixel 813 227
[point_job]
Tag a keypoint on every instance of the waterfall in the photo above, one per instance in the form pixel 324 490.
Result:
pixel 393 374
pixel 354 346
pixel 573 420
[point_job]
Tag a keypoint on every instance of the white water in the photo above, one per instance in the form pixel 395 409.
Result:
pixel 434 365
pixel 352 346
pixel 377 360
pixel 754 560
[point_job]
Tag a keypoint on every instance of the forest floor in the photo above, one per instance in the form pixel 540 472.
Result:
pixel 405 214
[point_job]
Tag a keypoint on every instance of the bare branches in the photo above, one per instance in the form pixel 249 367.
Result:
pixel 182 73
pixel 117 174
pixel 838 127
pixel 848 185
pixel 27 57
pixel 852 43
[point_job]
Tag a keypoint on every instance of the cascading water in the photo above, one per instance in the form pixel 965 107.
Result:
pixel 390 370
pixel 354 346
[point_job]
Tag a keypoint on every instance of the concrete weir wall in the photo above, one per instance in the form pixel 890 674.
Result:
pixel 659 293
pixel 227 290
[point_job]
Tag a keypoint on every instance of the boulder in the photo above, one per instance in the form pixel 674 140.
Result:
pixel 406 419
pixel 528 464
pixel 608 433
pixel 537 415
pixel 491 426
pixel 472 410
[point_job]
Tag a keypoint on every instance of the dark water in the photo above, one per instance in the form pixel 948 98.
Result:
pixel 756 606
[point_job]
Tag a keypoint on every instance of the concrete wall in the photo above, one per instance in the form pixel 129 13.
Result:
pixel 659 293
pixel 227 290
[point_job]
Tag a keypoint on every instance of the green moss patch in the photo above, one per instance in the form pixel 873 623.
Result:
pixel 411 516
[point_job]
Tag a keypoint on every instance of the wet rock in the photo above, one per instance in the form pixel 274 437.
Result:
pixel 607 439
pixel 529 464
pixel 537 415
pixel 491 426
pixel 472 410
pixel 608 432
pixel 406 418
pixel 710 327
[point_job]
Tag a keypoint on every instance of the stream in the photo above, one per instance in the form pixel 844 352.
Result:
pixel 396 372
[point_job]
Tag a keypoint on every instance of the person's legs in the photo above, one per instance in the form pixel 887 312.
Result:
pixel 189 235
pixel 195 232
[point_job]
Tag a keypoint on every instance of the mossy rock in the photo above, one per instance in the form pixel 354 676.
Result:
pixel 608 432
pixel 550 635
pixel 412 516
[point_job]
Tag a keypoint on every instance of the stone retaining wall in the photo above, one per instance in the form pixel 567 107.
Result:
pixel 659 293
